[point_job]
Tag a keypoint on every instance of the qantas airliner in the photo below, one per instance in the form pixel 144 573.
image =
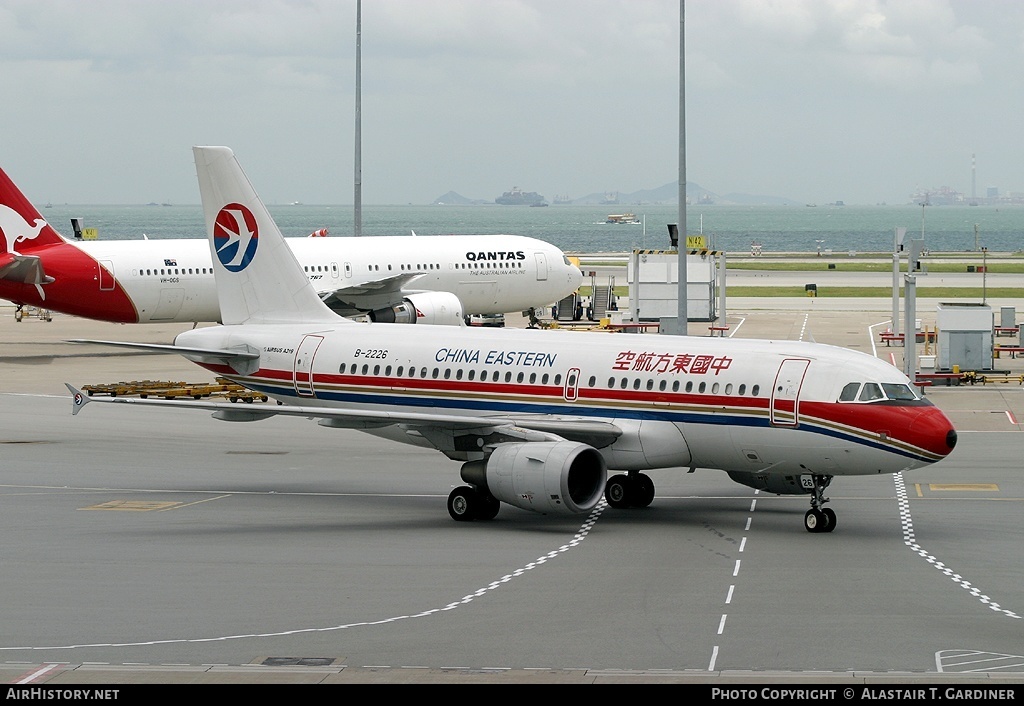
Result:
pixel 438 279
pixel 538 417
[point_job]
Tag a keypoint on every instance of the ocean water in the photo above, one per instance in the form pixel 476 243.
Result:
pixel 580 228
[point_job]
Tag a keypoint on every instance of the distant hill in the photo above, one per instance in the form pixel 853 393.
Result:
pixel 695 193
pixel 454 199
pixel 667 194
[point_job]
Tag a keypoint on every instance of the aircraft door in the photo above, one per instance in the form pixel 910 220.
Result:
pixel 348 270
pixel 542 266
pixel 785 405
pixel 572 384
pixel 302 369
pixel 106 271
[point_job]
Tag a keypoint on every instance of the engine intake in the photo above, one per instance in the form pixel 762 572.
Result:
pixel 550 477
pixel 443 308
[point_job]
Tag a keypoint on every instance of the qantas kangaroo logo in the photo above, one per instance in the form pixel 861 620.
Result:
pixel 16 229
pixel 235 237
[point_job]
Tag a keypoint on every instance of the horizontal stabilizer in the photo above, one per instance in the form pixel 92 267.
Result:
pixel 214 353
pixel 23 269
pixel 243 361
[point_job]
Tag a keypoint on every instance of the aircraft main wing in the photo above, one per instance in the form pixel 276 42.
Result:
pixel 595 433
pixel 23 269
pixel 369 294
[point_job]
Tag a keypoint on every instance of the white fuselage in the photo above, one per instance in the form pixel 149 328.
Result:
pixel 737 405
pixel 172 280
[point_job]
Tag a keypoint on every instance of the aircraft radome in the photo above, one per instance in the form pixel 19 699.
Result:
pixel 538 417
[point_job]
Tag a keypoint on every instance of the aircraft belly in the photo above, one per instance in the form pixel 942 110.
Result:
pixel 168 305
pixel 773 448
pixel 647 444
pixel 400 434
pixel 184 304
pixel 478 296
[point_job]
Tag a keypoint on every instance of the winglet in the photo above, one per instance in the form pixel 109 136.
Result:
pixel 78 399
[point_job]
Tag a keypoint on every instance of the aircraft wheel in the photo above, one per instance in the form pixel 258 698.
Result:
pixel 488 507
pixel 617 491
pixel 462 504
pixel 815 521
pixel 644 491
pixel 830 517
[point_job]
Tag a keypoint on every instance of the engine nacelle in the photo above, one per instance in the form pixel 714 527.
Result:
pixel 442 308
pixel 550 477
pixel 779 484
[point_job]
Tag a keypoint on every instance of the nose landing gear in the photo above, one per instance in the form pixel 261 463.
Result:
pixel 819 519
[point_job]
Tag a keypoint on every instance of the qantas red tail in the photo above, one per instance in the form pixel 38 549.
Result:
pixel 22 229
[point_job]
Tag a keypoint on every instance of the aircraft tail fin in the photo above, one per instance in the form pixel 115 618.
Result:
pixel 21 227
pixel 258 278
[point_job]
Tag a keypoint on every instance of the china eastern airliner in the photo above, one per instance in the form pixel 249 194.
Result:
pixel 537 418
pixel 438 279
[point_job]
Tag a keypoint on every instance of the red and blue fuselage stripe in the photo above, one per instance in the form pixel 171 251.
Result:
pixel 841 421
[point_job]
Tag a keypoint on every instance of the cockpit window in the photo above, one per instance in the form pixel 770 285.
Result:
pixel 871 391
pixel 896 391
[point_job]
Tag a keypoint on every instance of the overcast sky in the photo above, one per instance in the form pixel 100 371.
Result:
pixel 816 100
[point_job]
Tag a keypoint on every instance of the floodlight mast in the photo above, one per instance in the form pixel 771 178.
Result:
pixel 682 312
pixel 358 195
pixel 897 248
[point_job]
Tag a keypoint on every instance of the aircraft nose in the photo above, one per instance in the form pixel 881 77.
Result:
pixel 575 276
pixel 936 432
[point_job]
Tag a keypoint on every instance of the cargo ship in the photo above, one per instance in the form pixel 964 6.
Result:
pixel 518 197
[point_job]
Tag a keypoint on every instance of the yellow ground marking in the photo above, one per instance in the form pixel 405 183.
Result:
pixel 976 487
pixel 132 505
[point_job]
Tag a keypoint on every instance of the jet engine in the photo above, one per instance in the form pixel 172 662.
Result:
pixel 776 483
pixel 551 477
pixel 442 308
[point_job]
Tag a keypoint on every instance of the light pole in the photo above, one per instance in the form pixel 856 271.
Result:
pixel 984 273
pixel 820 243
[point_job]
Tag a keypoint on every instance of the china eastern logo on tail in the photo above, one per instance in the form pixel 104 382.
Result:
pixel 235 237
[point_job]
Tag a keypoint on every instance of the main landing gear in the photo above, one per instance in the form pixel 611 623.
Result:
pixel 632 490
pixel 819 519
pixel 467 503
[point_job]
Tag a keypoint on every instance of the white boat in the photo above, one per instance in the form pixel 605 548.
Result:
pixel 626 218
